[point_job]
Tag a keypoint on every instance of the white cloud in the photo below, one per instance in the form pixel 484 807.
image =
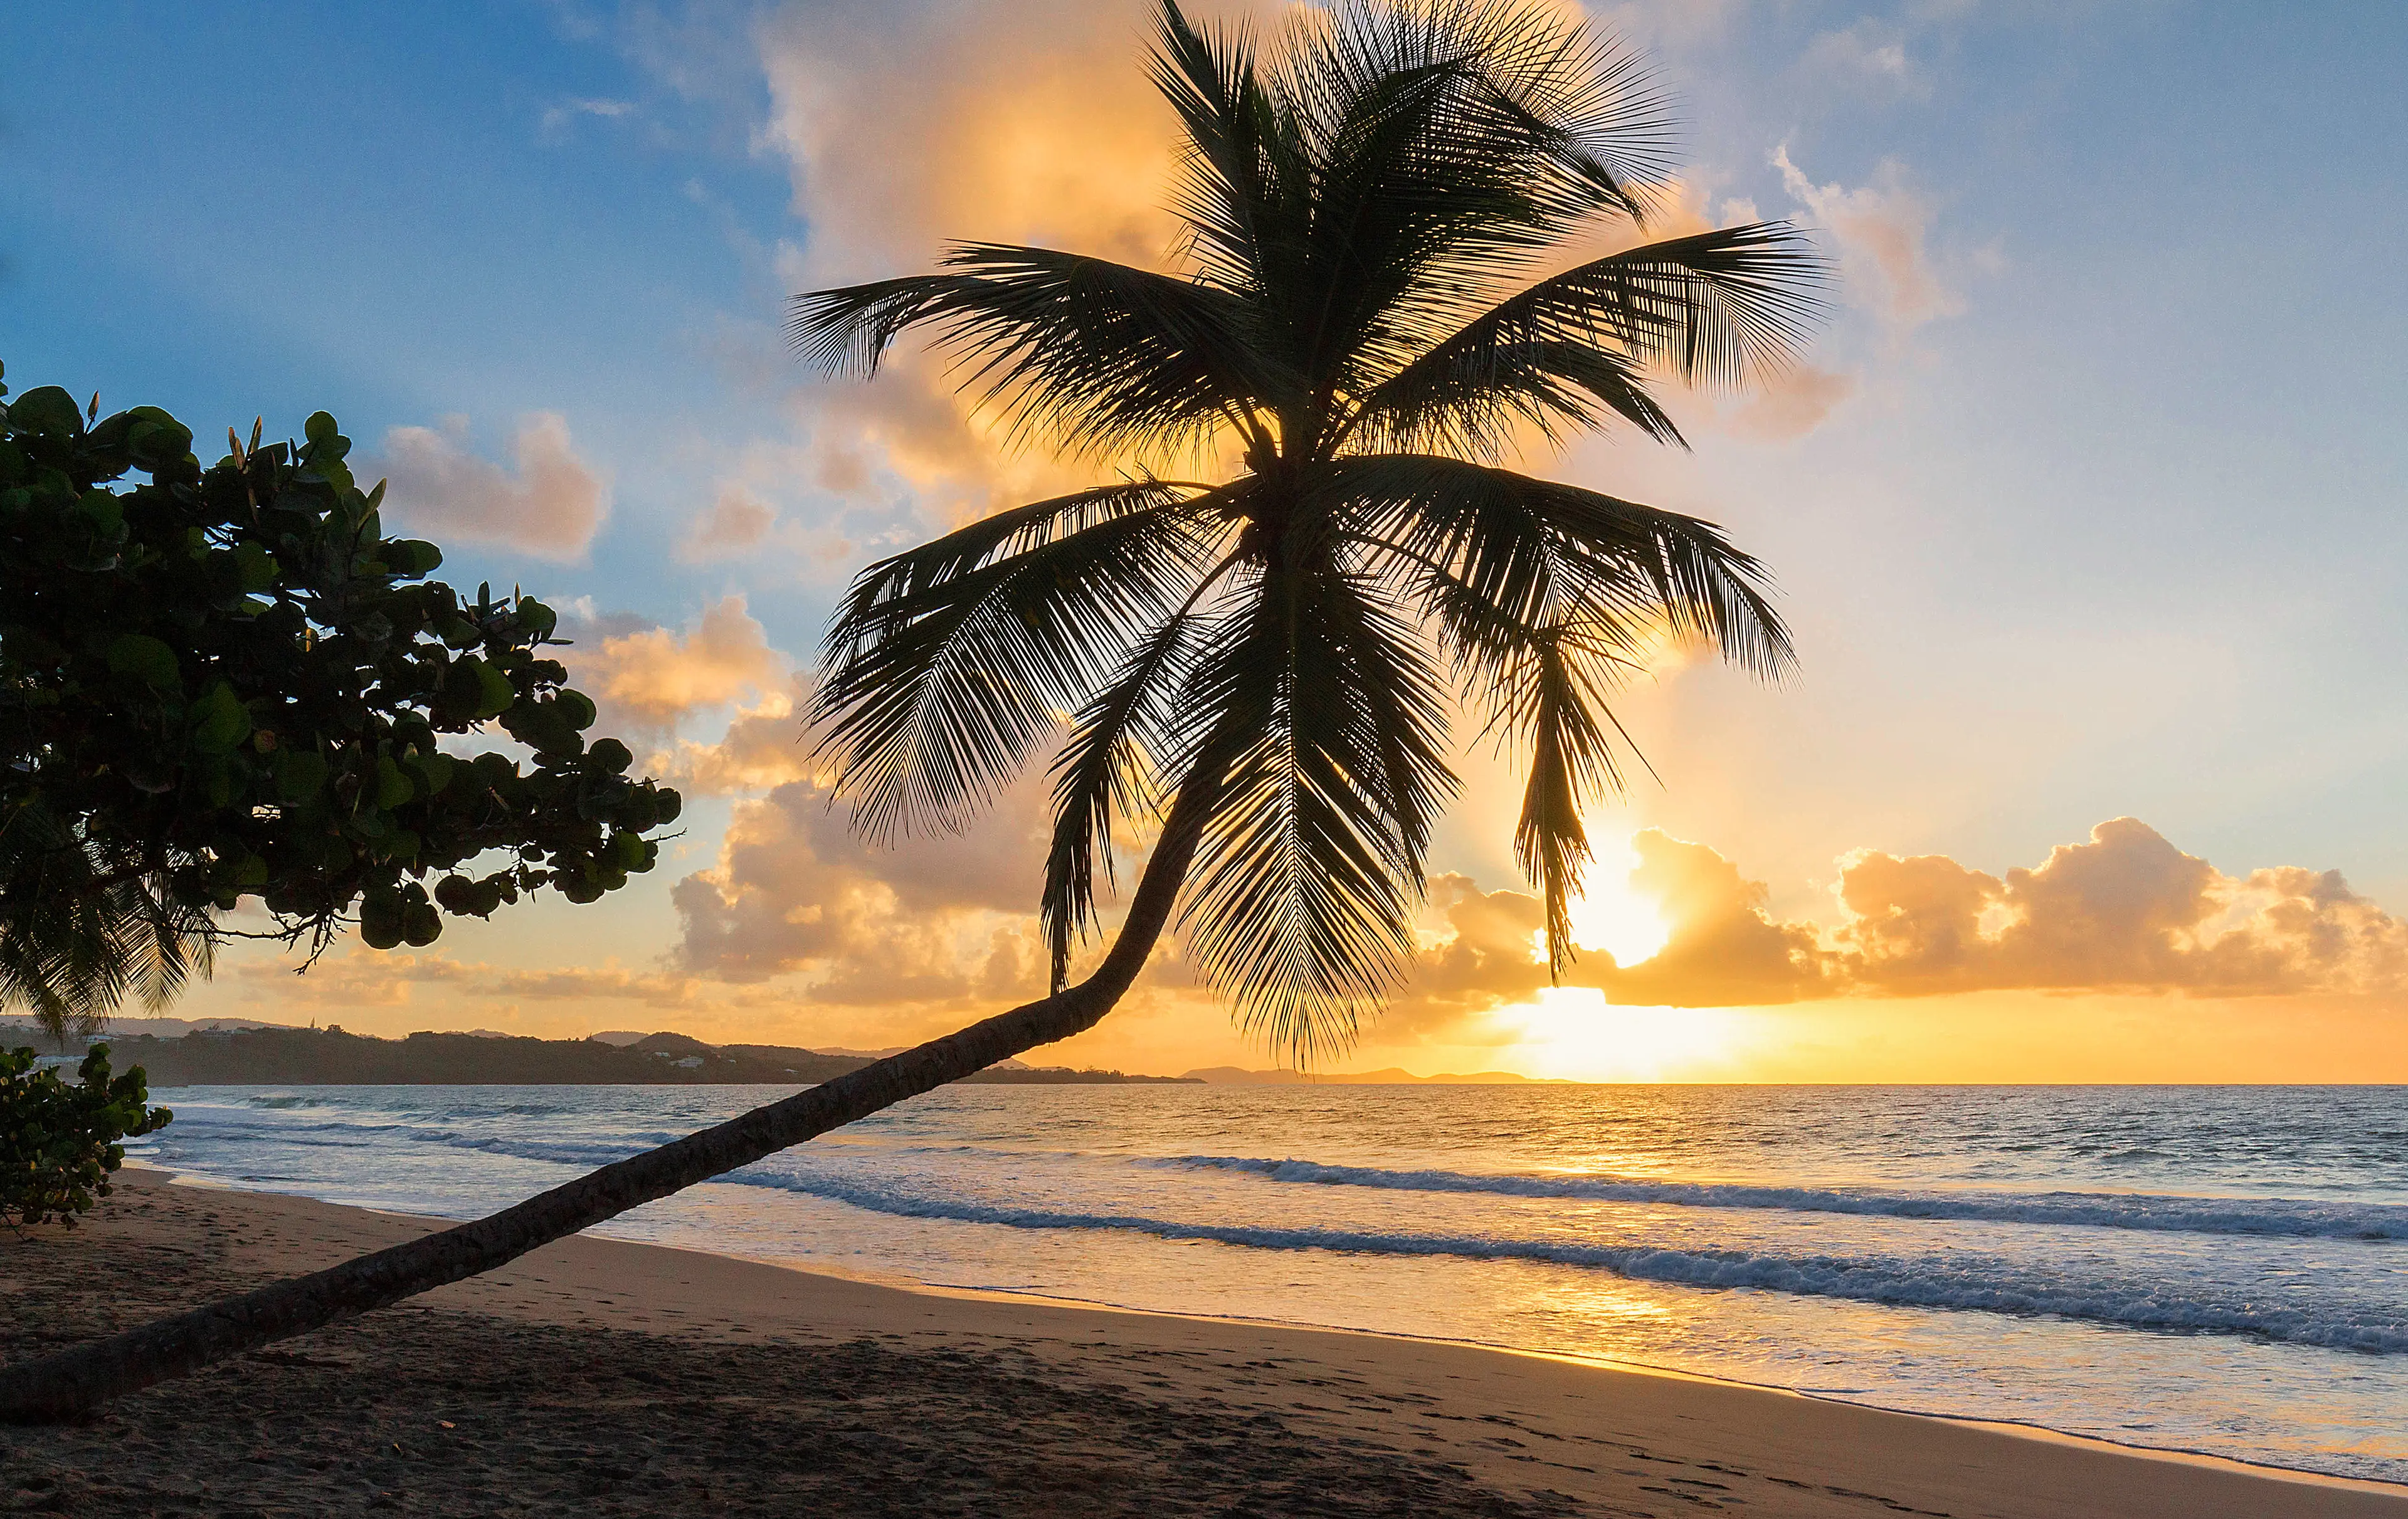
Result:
pixel 1869 54
pixel 1882 231
pixel 934 923
pixel 557 119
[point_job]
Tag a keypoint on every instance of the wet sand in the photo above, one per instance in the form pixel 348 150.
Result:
pixel 597 1377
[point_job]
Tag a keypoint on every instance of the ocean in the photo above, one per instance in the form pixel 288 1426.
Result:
pixel 2213 1269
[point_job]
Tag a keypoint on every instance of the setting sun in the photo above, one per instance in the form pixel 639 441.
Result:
pixel 1572 1033
pixel 1612 916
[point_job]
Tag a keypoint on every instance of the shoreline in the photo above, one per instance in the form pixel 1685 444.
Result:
pixel 895 1283
pixel 1506 1431
pixel 2012 1428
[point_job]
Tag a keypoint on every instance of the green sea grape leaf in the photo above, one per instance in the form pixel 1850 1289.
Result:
pixel 300 774
pixel 220 720
pixel 147 659
pixel 393 787
pixel 498 693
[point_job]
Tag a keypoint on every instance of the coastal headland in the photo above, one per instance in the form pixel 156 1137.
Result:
pixel 602 1377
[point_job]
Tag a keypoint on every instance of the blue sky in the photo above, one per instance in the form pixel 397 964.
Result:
pixel 2106 519
pixel 238 210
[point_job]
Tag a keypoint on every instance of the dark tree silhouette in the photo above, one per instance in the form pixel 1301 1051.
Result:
pixel 1266 665
pixel 223 686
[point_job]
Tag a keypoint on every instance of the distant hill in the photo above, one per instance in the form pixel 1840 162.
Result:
pixel 17 1031
pixel 273 1057
pixel 1392 1076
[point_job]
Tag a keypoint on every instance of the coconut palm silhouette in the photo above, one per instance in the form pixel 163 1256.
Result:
pixel 1265 665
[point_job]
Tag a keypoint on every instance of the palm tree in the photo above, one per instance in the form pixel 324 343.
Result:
pixel 1266 665
pixel 83 926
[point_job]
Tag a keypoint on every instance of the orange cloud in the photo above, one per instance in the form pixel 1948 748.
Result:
pixel 1791 404
pixel 762 749
pixel 910 125
pixel 913 429
pixel 2123 913
pixel 649 680
pixel 1724 950
pixel 949 922
pixel 583 984
pixel 360 979
pixel 551 509
pixel 737 524
pixel 935 922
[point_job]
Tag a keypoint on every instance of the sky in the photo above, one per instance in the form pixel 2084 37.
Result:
pixel 2084 506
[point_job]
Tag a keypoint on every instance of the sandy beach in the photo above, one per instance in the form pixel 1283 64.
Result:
pixel 597 1377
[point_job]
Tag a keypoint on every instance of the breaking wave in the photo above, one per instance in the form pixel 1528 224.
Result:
pixel 1956 1282
pixel 2099 1210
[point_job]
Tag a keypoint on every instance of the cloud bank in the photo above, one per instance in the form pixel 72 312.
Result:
pixel 2124 911
pixel 950 922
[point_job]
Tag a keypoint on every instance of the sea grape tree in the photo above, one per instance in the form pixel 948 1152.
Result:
pixel 61 1142
pixel 227 683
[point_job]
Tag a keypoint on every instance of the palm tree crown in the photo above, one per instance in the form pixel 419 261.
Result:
pixel 1361 311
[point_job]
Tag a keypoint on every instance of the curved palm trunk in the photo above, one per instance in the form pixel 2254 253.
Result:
pixel 77 1382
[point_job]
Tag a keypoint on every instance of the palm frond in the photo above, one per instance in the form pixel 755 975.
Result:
pixel 1374 229
pixel 1243 186
pixel 1108 770
pixel 1570 123
pixel 1452 139
pixel 1546 595
pixel 939 677
pixel 1543 667
pixel 172 945
pixel 79 932
pixel 1722 308
pixel 1556 706
pixel 1470 400
pixel 1543 549
pixel 1011 531
pixel 1091 356
pixel 1330 729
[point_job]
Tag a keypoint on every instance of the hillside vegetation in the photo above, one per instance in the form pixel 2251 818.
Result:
pixel 335 1057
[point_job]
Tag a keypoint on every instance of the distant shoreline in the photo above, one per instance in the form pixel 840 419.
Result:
pixel 332 1056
